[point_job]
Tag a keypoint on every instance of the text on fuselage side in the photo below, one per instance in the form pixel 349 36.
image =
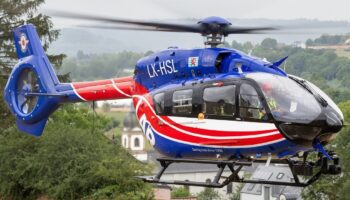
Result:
pixel 161 68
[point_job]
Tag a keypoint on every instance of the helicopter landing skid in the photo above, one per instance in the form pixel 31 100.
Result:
pixel 303 168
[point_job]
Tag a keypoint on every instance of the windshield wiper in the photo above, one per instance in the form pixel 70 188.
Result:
pixel 305 85
pixel 302 83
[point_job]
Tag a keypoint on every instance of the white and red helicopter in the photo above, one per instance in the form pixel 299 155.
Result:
pixel 207 105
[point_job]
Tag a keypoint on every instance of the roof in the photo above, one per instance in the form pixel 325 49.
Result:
pixel 130 121
pixel 347 41
pixel 273 173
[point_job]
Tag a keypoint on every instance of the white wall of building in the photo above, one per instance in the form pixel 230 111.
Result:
pixel 133 145
pixel 125 141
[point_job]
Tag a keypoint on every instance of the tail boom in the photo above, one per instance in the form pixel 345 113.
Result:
pixel 118 88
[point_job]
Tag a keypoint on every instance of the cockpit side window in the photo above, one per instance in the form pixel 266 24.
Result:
pixel 182 102
pixel 250 106
pixel 219 101
pixel 159 103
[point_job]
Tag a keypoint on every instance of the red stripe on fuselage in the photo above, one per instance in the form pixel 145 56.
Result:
pixel 216 132
pixel 105 89
pixel 78 85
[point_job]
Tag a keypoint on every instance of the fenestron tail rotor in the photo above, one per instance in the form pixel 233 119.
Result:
pixel 27 83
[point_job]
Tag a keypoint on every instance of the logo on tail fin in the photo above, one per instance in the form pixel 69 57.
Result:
pixel 23 42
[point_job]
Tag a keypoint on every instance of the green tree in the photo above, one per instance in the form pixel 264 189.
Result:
pixel 248 46
pixel 237 45
pixel 13 14
pixel 269 43
pixel 180 192
pixel 237 194
pixel 69 162
pixel 208 194
pixel 106 107
pixel 335 187
pixel 102 66
pixel 16 13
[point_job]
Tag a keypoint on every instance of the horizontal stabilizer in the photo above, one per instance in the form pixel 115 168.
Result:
pixel 45 94
pixel 278 63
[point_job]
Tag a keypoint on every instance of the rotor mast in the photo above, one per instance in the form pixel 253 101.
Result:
pixel 213 29
pixel 213 40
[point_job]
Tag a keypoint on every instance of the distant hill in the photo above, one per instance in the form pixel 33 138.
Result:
pixel 108 41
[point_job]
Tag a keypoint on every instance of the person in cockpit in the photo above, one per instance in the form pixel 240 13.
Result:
pixel 275 109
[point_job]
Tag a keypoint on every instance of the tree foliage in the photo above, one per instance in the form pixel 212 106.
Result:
pixel 269 43
pixel 19 12
pixel 328 40
pixel 178 192
pixel 335 187
pixel 208 194
pixel 102 66
pixel 68 162
pixel 13 14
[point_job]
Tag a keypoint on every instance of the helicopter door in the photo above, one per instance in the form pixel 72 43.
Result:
pixel 250 104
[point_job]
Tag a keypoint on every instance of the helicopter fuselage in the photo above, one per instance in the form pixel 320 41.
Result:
pixel 211 102
pixel 207 103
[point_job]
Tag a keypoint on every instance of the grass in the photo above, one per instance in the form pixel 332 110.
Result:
pixel 343 53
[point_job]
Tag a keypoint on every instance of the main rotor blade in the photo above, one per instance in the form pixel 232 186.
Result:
pixel 168 26
pixel 129 28
pixel 249 30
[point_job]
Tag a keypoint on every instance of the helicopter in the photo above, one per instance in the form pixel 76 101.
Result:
pixel 207 105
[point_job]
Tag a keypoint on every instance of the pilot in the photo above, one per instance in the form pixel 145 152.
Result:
pixel 220 107
pixel 271 102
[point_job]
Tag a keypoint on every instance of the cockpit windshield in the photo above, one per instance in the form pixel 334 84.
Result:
pixel 287 100
pixel 327 98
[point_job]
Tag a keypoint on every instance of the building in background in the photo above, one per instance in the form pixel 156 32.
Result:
pixel 251 191
pixel 132 137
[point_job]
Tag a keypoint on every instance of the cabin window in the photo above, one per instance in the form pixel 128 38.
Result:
pixel 182 102
pixel 250 106
pixel 159 103
pixel 219 101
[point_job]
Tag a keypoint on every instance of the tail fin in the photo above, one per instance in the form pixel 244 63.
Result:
pixel 32 75
pixel 33 90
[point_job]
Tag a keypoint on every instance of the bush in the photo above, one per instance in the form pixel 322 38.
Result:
pixel 68 162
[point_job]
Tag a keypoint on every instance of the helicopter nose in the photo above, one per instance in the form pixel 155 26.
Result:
pixel 334 120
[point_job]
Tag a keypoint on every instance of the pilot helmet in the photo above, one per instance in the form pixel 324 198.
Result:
pixel 267 87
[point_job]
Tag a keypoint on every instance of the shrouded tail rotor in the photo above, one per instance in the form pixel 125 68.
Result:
pixel 33 91
pixel 31 83
pixel 27 84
